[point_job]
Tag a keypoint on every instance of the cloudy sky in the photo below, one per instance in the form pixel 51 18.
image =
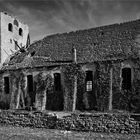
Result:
pixel 46 17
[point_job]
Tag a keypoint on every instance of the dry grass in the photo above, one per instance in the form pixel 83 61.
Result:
pixel 17 133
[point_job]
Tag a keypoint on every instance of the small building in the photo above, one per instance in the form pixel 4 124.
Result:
pixel 92 69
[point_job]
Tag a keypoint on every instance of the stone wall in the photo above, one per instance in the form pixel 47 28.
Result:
pixel 126 100
pixel 50 100
pixel 114 123
pixel 43 95
pixel 116 86
pixel 27 119
pixel 102 84
pixel 97 122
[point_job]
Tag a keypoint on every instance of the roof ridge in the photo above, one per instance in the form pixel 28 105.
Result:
pixel 92 28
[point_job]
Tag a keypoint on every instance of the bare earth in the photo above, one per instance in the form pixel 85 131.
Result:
pixel 17 133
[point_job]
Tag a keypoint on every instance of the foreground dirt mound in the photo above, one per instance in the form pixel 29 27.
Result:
pixel 95 122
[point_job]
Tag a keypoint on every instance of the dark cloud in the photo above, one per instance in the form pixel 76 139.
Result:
pixel 52 16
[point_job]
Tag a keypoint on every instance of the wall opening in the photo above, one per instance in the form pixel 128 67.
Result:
pixel 20 32
pixel 31 95
pixel 89 80
pixel 89 97
pixel 32 53
pixel 16 22
pixel 57 82
pixel 55 99
pixel 6 85
pixel 126 78
pixel 10 27
pixel 30 83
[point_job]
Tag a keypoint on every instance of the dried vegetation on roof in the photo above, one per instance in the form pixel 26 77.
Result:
pixel 115 41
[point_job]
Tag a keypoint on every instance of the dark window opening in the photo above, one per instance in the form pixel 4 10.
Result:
pixel 89 80
pixel 16 22
pixel 126 79
pixel 30 99
pixel 20 32
pixel 10 27
pixel 33 53
pixel 30 83
pixel 57 82
pixel 6 85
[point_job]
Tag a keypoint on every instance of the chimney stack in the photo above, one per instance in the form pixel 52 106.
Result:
pixel 74 55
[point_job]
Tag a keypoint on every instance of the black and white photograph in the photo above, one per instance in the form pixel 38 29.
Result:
pixel 69 70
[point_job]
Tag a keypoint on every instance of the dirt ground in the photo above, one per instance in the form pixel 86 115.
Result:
pixel 17 133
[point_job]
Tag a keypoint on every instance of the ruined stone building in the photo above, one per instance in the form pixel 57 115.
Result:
pixel 11 29
pixel 94 69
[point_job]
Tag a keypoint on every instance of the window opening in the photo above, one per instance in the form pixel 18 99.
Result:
pixel 57 81
pixel 6 85
pixel 30 83
pixel 89 80
pixel 10 27
pixel 16 22
pixel 20 32
pixel 33 53
pixel 126 79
